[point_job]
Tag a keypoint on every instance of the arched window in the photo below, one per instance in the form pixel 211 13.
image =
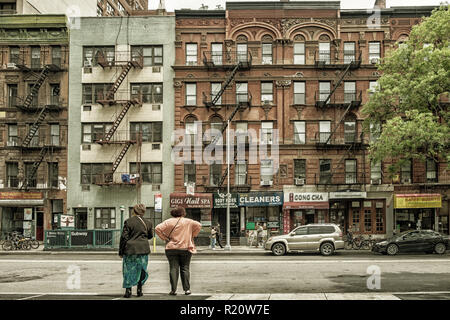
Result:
pixel 324 48
pixel 267 50
pixel 242 48
pixel 299 50
pixel 190 129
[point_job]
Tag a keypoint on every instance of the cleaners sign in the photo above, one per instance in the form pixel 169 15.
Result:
pixel 261 199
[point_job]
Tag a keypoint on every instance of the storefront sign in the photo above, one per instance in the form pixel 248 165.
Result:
pixel 306 200
pixel 273 224
pixel 411 201
pixel 67 221
pixel 21 195
pixel 198 200
pixel 250 226
pixel 220 200
pixel 261 199
pixel 348 195
pixel 158 202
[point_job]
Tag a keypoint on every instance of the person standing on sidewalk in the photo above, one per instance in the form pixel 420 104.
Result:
pixel 259 235
pixel 218 236
pixel 134 249
pixel 213 238
pixel 179 233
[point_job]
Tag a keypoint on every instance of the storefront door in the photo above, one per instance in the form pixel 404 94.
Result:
pixel 234 224
pixel 81 218
pixel 40 226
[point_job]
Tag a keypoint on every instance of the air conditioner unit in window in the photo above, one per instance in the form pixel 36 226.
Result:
pixel 266 182
pixel 11 65
pixel 299 182
pixel 374 60
pixel 375 181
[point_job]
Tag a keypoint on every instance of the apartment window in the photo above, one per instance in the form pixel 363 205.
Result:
pixel 12 170
pixel 241 132
pixel 96 172
pixel 191 54
pixel 299 168
pixel 299 132
pixel 189 173
pixel 374 51
pixel 375 173
pixel 266 53
pixel 92 55
pixel 325 170
pixel 266 132
pixel 215 89
pixel 242 55
pixel 432 170
pixel 241 173
pixel 375 131
pixel 349 91
pixel 56 56
pixel 324 90
pixel 12 95
pixel 35 140
pixel 372 87
pixel 241 92
pixel 30 177
pixel 216 53
pixel 299 53
pixel 35 97
pixel 8 8
pixel 55 91
pixel 54 134
pixel 324 52
pixel 150 55
pixel 349 52
pixel 215 174
pixel 299 92
pixel 350 131
pixel 406 172
pixel 151 131
pixel 191 94
pixel 53 174
pixel 368 220
pixel 94 92
pixel 147 92
pixel 191 130
pixel 14 55
pixel 151 172
pixel 35 57
pixel 105 218
pixel 13 138
pixel 266 92
pixel 350 171
pixel 94 131
pixel 324 131
pixel 266 170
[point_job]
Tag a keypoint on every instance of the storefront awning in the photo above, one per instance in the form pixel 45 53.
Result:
pixel 306 205
pixel 413 201
pixel 21 203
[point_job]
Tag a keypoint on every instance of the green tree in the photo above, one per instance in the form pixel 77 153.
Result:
pixel 408 106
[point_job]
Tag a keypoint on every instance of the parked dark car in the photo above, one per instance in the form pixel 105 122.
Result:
pixel 428 241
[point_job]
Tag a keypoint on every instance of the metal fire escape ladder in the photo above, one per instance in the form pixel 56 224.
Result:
pixel 126 107
pixel 341 77
pixel 119 80
pixel 34 169
pixel 35 126
pixel 121 156
pixel 226 84
pixel 339 123
pixel 37 85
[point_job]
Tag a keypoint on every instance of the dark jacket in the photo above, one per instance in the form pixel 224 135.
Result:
pixel 134 238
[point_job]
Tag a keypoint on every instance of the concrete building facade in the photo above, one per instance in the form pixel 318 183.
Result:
pixel 34 60
pixel 121 119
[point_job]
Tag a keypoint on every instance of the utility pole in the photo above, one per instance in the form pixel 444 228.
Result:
pixel 228 245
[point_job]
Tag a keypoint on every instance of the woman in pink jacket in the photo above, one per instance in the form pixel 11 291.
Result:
pixel 179 233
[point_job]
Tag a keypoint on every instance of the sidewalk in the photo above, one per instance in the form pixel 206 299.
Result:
pixel 201 250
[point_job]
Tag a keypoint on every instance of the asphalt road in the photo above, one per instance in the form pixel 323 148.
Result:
pixel 295 276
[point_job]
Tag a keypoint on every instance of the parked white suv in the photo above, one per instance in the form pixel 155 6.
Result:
pixel 324 237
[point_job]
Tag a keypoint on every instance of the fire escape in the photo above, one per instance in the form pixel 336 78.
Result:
pixel 126 63
pixel 39 69
pixel 234 61
pixel 343 63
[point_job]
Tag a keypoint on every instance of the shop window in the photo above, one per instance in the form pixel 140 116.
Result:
pixel 320 216
pixel 355 220
pixel 266 92
pixel 325 171
pixel 12 170
pixel 299 92
pixel 299 169
pixel 379 220
pixel 147 92
pixel 92 132
pixel 189 173
pixel 368 220
pixel 151 172
pixel 350 172
pixel 299 53
pixel 191 94
pixel 105 218
pixel 431 167
pixel 151 131
pixel 191 54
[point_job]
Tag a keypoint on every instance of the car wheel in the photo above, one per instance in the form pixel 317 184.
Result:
pixel 439 248
pixel 327 249
pixel 279 249
pixel 392 249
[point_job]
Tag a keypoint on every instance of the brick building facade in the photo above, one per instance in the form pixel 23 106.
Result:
pixel 304 70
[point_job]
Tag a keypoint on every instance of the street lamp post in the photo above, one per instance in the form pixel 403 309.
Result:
pixel 228 245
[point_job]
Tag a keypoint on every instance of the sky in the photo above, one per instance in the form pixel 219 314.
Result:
pixel 172 5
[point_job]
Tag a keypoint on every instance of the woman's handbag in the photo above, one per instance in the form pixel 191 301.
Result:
pixel 168 237
pixel 145 225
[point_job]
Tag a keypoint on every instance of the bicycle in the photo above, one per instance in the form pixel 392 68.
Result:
pixel 16 242
pixel 357 243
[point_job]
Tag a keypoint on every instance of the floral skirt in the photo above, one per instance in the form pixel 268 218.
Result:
pixel 131 268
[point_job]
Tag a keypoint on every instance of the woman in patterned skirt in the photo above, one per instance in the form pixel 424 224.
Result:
pixel 134 249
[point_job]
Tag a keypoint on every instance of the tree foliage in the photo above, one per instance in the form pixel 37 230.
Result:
pixel 407 104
